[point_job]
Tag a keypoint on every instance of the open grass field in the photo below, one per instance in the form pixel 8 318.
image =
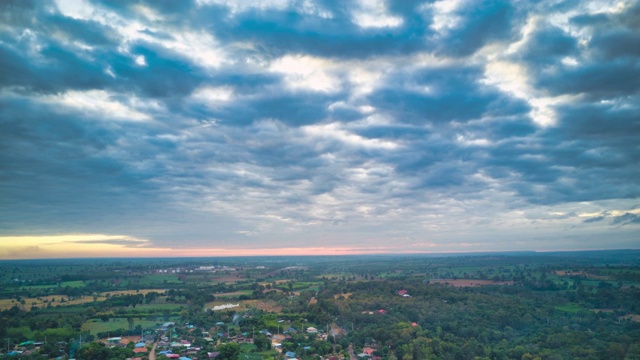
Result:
pixel 154 280
pixel 95 326
pixel 234 294
pixel 63 300
pixel 226 279
pixel 304 285
pixel 569 308
pixel 469 282
pixel 44 301
pixel 132 292
pixel 267 306
pixel 160 307
pixel 73 284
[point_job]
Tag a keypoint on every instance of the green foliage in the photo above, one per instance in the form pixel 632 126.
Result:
pixel 555 307
pixel 262 342
pixel 229 351
pixel 97 351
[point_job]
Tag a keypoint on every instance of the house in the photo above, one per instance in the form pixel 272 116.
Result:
pixel 140 350
pixel 367 350
pixel 113 340
pixel 402 292
pixel 290 355
pixel 382 311
pixel 213 355
pixel 312 330
pixel 141 344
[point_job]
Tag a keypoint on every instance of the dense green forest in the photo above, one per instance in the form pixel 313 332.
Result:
pixel 571 305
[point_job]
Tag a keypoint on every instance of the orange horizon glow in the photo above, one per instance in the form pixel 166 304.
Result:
pixel 121 246
pixel 98 246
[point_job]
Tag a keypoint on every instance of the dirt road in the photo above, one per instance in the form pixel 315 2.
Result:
pixel 352 355
pixel 152 354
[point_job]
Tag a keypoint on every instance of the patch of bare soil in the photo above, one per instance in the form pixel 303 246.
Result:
pixel 313 301
pixel 268 306
pixel 346 295
pixel 632 317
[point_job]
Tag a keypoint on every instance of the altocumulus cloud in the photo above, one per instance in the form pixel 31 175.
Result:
pixel 370 126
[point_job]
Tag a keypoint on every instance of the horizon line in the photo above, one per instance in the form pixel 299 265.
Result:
pixel 448 253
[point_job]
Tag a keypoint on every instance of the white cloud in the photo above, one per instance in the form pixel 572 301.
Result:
pixel 334 131
pixel 374 14
pixel 466 141
pixel 103 104
pixel 514 79
pixel 444 15
pixel 140 60
pixel 306 72
pixel 364 79
pixel 242 6
pixel 198 46
pixel 78 9
pixel 212 96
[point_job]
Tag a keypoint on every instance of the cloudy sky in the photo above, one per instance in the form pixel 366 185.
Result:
pixel 223 127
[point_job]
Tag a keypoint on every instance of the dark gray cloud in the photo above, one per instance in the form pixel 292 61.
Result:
pixel 626 219
pixel 275 32
pixel 481 22
pixel 594 219
pixel 427 124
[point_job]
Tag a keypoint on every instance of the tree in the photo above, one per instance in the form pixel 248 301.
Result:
pixel 94 351
pixel 262 342
pixel 229 351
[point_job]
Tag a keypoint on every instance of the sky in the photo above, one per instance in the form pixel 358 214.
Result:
pixel 293 127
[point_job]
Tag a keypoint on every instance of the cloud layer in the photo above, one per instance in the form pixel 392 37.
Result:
pixel 375 126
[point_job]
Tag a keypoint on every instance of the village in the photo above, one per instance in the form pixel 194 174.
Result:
pixel 189 342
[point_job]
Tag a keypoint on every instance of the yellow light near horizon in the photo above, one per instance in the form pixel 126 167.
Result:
pixel 57 239
pixel 74 245
pixel 98 246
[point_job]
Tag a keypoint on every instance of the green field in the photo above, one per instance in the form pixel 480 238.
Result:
pixel 95 326
pixel 302 285
pixel 73 284
pixel 569 308
pixel 159 307
pixel 152 280
pixel 232 295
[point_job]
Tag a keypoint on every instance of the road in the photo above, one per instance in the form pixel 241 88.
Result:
pixel 352 355
pixel 152 354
